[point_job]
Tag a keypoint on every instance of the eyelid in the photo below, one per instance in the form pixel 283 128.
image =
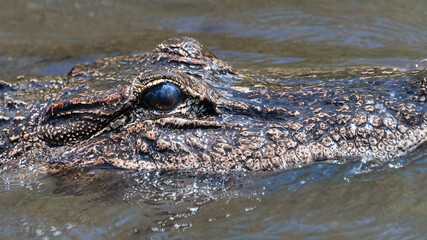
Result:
pixel 162 81
pixel 191 86
pixel 152 78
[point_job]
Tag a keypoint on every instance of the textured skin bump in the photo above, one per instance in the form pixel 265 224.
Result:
pixel 96 115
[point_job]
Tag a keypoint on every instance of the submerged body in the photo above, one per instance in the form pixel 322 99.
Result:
pixel 180 107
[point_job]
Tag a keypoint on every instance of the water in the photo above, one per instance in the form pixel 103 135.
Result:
pixel 323 201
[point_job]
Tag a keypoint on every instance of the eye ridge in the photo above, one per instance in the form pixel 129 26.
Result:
pixel 164 96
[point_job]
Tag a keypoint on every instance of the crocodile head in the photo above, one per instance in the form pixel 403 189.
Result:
pixel 178 107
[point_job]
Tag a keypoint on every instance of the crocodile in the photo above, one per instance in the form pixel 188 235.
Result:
pixel 180 107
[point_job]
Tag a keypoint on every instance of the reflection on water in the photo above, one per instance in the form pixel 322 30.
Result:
pixel 39 32
pixel 328 200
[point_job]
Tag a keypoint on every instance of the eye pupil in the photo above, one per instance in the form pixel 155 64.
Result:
pixel 164 96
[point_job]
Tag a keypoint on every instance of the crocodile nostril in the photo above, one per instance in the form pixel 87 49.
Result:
pixel 165 96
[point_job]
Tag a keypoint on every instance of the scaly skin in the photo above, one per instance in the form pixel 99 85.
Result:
pixel 97 116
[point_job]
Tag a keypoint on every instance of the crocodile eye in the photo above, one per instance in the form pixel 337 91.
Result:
pixel 164 96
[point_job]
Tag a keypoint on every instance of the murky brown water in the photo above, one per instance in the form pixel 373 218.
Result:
pixel 323 201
